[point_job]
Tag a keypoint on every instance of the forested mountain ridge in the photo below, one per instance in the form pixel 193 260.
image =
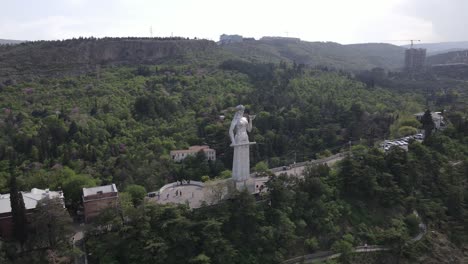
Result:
pixel 353 57
pixel 84 55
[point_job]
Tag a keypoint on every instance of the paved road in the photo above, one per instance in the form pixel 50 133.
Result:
pixel 326 255
pixel 298 169
pixel 78 242
pixel 295 171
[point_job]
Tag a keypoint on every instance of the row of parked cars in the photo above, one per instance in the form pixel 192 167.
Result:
pixel 401 142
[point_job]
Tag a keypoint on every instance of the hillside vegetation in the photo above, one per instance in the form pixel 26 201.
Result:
pixel 118 124
pixel 449 57
pixel 326 54
pixel 78 56
pixel 29 60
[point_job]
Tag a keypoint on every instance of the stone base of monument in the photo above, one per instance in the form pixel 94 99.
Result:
pixel 216 191
pixel 248 185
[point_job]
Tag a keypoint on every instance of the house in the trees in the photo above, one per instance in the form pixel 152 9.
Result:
pixel 30 199
pixel 178 155
pixel 96 199
pixel 439 122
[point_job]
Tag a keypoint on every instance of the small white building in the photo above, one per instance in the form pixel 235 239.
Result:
pixel 178 155
pixel 31 199
pixel 436 117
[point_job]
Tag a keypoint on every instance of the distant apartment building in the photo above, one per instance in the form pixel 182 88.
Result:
pixel 415 59
pixel 30 199
pixel 178 155
pixel 437 117
pixel 96 199
pixel 227 39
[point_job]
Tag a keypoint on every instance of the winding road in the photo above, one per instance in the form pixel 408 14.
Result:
pixel 326 255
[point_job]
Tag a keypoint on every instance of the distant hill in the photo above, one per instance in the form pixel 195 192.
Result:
pixel 442 47
pixel 10 41
pixel 76 56
pixel 55 58
pixel 330 54
pixel 449 57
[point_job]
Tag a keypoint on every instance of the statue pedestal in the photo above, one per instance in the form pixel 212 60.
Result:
pixel 241 162
pixel 248 185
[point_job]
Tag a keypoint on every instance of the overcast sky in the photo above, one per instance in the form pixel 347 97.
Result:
pixel 344 21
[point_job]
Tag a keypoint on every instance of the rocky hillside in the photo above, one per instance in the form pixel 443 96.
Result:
pixel 77 56
pixel 54 58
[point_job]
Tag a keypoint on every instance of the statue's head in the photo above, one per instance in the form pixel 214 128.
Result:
pixel 240 108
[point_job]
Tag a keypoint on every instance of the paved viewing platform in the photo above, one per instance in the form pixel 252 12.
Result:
pixel 191 194
pixel 195 193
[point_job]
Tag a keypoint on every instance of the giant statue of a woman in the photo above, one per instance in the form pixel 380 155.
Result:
pixel 240 142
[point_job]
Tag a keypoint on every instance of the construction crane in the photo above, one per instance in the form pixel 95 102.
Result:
pixel 411 40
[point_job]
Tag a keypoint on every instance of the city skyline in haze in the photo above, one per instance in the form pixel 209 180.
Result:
pixel 359 21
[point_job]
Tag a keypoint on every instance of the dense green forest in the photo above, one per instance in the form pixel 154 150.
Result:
pixel 118 125
pixel 368 199
pixel 78 56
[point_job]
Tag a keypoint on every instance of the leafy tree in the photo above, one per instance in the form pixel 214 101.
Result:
pixel 261 167
pixel 226 174
pixel 144 106
pixel 200 259
pixel 137 192
pixel 407 131
pixel 412 223
pixel 345 247
pixel 312 244
pixel 52 225
pixel 73 188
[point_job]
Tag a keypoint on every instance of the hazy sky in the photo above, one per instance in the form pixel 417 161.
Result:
pixel 344 21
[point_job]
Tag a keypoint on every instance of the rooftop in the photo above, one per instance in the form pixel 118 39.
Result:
pixel 434 114
pixel 195 148
pixel 100 189
pixel 30 199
